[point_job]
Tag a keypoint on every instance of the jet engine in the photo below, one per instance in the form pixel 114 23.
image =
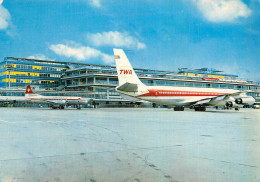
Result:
pixel 245 101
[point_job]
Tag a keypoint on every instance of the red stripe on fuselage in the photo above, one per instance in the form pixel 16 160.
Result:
pixel 177 93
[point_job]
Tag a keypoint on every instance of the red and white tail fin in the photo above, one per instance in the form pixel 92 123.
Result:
pixel 29 90
pixel 125 71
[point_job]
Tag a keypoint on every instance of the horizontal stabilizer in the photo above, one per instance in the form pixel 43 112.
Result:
pixel 128 87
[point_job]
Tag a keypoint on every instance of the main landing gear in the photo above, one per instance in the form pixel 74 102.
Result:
pixel 200 108
pixel 179 108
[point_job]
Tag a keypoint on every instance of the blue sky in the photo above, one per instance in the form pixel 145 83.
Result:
pixel 167 35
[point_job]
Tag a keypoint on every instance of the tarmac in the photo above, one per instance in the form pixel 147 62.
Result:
pixel 129 144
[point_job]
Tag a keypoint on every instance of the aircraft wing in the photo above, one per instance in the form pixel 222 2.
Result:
pixel 210 101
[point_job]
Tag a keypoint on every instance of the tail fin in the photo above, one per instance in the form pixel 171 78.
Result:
pixel 29 90
pixel 125 72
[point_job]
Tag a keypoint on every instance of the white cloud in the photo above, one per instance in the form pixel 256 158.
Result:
pixel 95 3
pixel 80 52
pixel 4 17
pixel 117 39
pixel 222 10
pixel 39 56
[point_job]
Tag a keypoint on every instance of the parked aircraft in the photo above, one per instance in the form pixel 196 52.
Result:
pixel 177 97
pixel 55 101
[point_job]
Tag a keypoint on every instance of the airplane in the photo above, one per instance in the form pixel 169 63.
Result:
pixel 55 101
pixel 176 97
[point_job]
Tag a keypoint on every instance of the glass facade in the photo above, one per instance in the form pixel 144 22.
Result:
pixel 19 72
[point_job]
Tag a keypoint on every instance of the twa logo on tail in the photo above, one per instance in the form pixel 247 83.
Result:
pixel 125 72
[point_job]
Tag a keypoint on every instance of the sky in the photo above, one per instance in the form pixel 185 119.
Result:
pixel 155 34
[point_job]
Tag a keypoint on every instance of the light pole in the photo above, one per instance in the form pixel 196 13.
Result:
pixel 9 67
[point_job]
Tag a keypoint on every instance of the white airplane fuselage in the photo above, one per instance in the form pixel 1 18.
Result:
pixel 178 96
pixel 56 100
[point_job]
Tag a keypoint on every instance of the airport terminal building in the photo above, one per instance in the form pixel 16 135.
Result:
pixel 99 81
pixel 19 72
